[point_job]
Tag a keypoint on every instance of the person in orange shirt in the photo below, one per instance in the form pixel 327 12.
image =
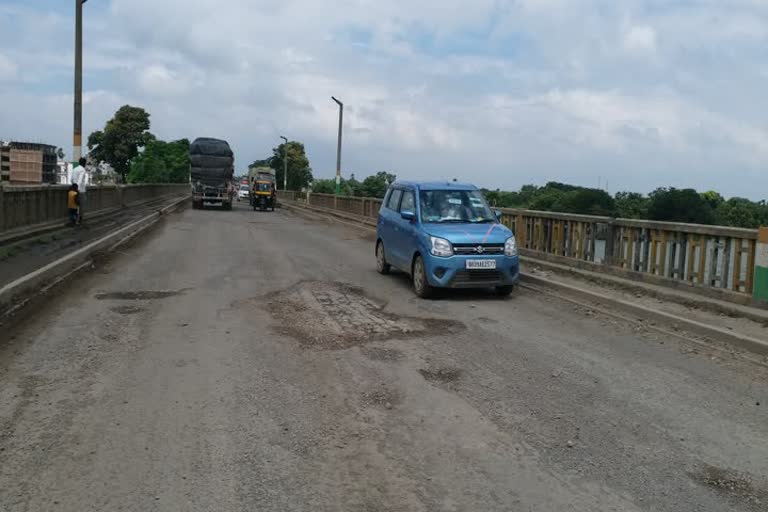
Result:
pixel 73 204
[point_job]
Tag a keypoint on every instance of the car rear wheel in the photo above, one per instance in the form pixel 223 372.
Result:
pixel 382 267
pixel 504 291
pixel 421 286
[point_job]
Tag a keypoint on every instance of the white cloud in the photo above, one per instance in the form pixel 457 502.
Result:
pixel 8 69
pixel 158 80
pixel 640 39
pixel 513 91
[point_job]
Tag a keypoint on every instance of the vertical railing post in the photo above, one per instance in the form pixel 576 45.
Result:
pixel 2 208
pixel 760 275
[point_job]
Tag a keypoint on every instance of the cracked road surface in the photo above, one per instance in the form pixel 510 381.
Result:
pixel 241 361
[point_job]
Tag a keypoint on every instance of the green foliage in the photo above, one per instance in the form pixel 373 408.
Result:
pixel 372 186
pixel 679 205
pixel 324 186
pixel 161 162
pixel 261 163
pixel 588 201
pixel 631 205
pixel 743 213
pixel 121 139
pixel 376 185
pixel 299 171
pixel 713 198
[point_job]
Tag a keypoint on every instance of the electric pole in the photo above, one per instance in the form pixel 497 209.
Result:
pixel 338 146
pixel 77 139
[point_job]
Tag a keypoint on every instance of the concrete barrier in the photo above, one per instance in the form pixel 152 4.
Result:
pixel 24 206
pixel 715 261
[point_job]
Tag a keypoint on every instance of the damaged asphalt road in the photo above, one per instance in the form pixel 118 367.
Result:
pixel 238 361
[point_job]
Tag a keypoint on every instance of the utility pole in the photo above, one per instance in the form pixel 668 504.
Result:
pixel 285 164
pixel 338 146
pixel 77 139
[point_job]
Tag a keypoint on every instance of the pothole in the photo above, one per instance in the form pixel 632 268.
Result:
pixel 444 375
pixel 139 295
pixel 127 310
pixel 383 354
pixel 731 483
pixel 327 315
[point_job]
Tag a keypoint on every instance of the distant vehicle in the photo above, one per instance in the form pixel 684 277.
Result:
pixel 244 192
pixel 263 195
pixel 445 236
pixel 211 171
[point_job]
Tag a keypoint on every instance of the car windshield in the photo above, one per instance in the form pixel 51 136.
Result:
pixel 244 187
pixel 454 206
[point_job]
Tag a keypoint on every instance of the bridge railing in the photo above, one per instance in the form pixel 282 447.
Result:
pixel 27 205
pixel 715 259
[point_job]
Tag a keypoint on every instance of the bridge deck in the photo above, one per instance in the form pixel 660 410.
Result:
pixel 256 361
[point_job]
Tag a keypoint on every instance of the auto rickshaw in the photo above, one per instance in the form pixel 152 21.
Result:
pixel 263 195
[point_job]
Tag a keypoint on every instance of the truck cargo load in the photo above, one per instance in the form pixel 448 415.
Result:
pixel 212 166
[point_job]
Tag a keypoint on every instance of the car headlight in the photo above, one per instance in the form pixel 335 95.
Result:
pixel 441 247
pixel 510 247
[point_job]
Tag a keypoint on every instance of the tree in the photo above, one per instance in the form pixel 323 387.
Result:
pixel 121 139
pixel 324 186
pixel 679 205
pixel 261 163
pixel 161 162
pixel 742 213
pixel 631 205
pixel 586 201
pixel 376 185
pixel 713 198
pixel 299 171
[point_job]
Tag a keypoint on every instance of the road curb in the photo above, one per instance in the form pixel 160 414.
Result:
pixel 16 294
pixel 710 331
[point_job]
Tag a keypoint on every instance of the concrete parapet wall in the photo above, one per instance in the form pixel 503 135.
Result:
pixel 22 206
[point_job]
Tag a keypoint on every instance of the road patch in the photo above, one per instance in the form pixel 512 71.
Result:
pixel 332 315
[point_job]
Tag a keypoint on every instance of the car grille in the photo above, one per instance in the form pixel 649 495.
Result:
pixel 477 277
pixel 478 249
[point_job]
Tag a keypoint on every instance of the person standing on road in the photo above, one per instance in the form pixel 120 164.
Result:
pixel 80 178
pixel 73 204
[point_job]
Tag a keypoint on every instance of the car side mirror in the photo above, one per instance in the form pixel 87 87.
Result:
pixel 408 215
pixel 497 213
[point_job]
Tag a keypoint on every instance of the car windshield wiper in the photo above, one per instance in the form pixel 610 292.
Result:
pixel 484 221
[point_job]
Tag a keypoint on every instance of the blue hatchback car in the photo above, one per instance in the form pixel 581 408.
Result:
pixel 445 236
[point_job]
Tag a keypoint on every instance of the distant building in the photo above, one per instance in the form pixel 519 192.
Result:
pixel 28 163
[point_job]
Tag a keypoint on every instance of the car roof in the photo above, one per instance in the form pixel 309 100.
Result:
pixel 436 185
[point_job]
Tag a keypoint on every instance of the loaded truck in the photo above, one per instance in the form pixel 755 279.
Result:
pixel 261 174
pixel 211 170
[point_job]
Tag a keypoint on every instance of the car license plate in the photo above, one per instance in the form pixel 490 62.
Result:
pixel 480 264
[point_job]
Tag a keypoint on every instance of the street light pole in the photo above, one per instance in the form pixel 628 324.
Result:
pixel 338 146
pixel 285 164
pixel 77 138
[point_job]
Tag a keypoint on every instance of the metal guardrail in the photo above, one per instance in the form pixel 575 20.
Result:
pixel 27 205
pixel 715 258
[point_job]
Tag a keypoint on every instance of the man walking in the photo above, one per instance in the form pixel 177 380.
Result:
pixel 80 178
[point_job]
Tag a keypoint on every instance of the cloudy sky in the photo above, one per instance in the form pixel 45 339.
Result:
pixel 631 94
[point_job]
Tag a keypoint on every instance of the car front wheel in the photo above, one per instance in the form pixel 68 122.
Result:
pixel 382 267
pixel 421 286
pixel 504 291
